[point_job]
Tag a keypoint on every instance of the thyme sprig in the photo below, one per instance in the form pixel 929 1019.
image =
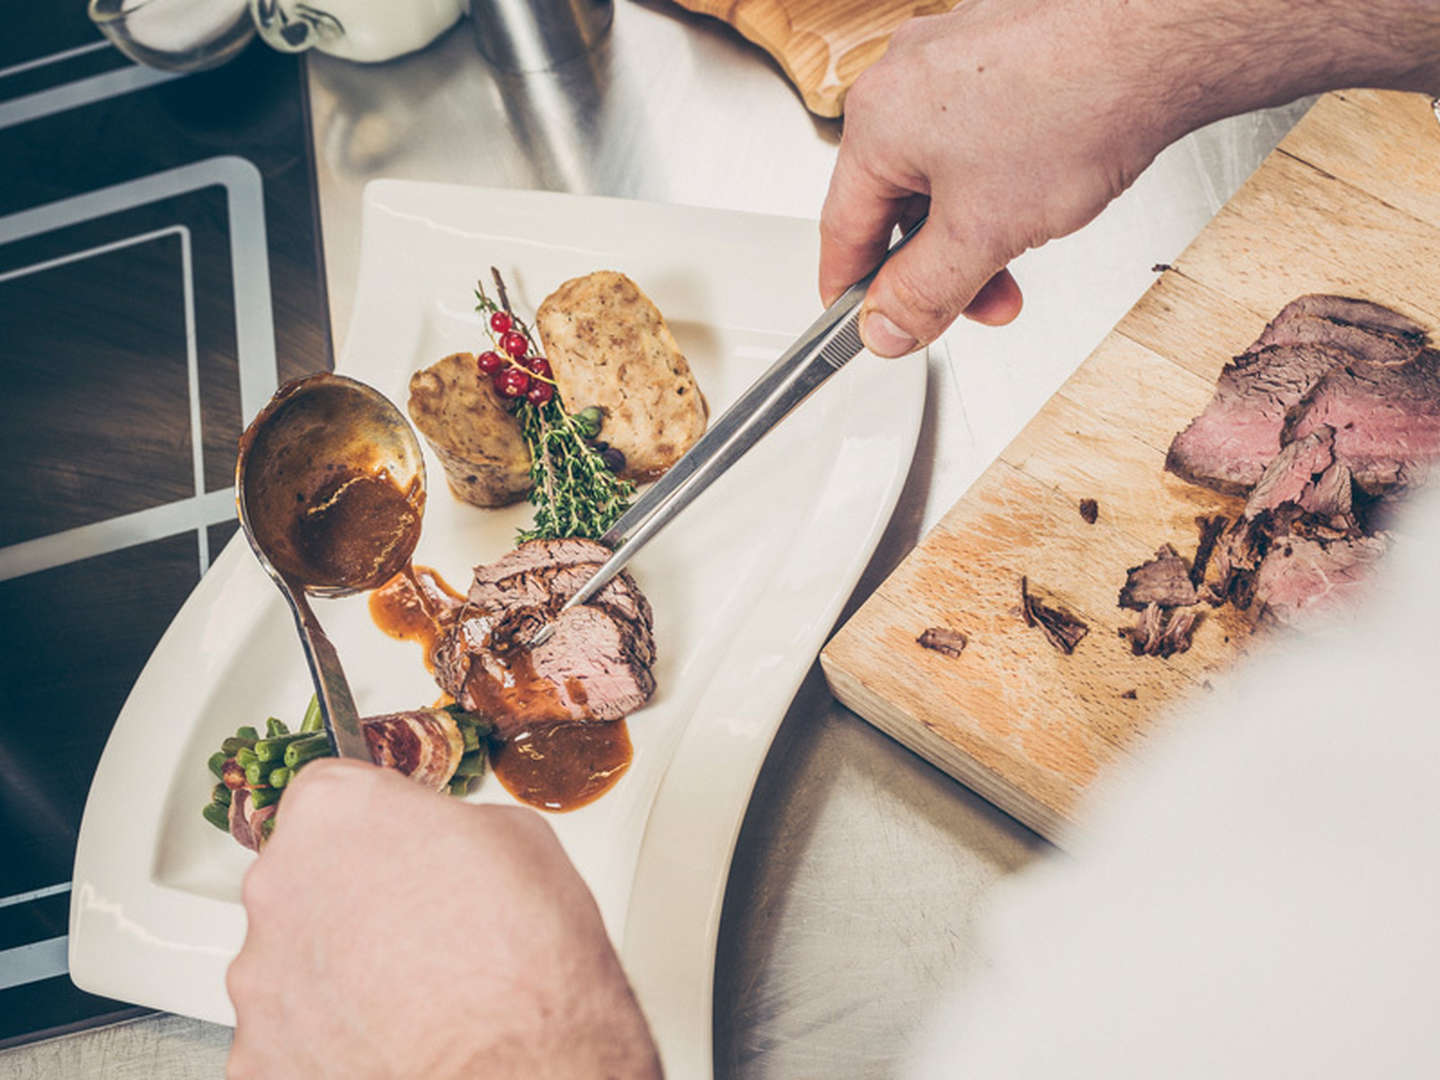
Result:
pixel 572 489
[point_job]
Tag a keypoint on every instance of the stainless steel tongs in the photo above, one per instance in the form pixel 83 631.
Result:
pixel 827 345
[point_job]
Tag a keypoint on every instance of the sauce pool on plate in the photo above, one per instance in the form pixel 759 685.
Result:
pixel 565 766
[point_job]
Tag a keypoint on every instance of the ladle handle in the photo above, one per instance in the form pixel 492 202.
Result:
pixel 337 705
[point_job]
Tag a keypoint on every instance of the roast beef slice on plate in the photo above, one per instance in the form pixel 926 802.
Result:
pixel 549 587
pixel 595 666
pixel 542 555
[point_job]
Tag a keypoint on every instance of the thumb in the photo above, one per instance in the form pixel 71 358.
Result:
pixel 926 285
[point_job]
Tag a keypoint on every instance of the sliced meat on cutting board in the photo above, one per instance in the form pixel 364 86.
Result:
pixel 1339 208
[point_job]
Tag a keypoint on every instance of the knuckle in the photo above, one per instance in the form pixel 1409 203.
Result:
pixel 522 819
pixel 865 98
pixel 858 97
pixel 836 226
pixel 238 980
pixel 528 830
pixel 914 44
pixel 906 34
pixel 321 784
pixel 255 890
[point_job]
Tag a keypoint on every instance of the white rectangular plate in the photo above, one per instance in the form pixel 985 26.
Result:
pixel 745 585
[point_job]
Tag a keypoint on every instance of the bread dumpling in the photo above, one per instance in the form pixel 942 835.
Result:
pixel 608 346
pixel 472 433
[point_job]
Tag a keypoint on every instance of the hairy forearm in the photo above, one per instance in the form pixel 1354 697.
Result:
pixel 1012 122
pixel 1214 58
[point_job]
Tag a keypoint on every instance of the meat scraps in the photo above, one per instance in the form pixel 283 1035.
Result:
pixel 943 640
pixel 1210 530
pixel 596 666
pixel 1060 627
pixel 1161 631
pixel 1164 580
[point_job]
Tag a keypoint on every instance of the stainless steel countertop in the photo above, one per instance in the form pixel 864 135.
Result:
pixel 860 869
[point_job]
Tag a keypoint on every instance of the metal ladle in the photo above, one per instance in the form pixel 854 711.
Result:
pixel 330 486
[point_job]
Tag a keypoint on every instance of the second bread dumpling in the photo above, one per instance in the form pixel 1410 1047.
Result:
pixel 608 346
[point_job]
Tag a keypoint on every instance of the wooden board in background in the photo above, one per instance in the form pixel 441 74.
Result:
pixel 822 45
pixel 1348 203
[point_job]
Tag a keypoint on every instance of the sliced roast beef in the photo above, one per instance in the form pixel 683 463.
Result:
pixel 542 555
pixel 424 744
pixel 1358 329
pixel 1386 420
pixel 1164 580
pixel 1306 476
pixel 943 640
pixel 596 665
pixel 551 586
pixel 1301 579
pixel 591 668
pixel 1350 343
pixel 1356 394
pixel 593 659
pixel 620 593
pixel 1146 632
pixel 1347 311
pixel 1227 447
pixel 1179 631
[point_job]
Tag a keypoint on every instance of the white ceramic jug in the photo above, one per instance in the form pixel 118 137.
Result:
pixel 365 30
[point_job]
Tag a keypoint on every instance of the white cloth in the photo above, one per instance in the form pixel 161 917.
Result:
pixel 1258 896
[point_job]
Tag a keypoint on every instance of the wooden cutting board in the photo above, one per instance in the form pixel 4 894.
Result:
pixel 1348 203
pixel 823 45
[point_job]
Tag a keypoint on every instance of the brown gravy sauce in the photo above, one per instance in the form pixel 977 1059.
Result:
pixel 406 606
pixel 563 767
pixel 352 529
pixel 508 689
pixel 557 767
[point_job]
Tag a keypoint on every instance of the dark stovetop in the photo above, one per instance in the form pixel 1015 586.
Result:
pixel 159 275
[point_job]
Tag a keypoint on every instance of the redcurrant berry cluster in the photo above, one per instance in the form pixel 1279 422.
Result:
pixel 514 371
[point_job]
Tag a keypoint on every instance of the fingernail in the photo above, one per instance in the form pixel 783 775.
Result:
pixel 883 338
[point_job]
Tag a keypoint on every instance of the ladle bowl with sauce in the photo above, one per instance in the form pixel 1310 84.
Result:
pixel 330 487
